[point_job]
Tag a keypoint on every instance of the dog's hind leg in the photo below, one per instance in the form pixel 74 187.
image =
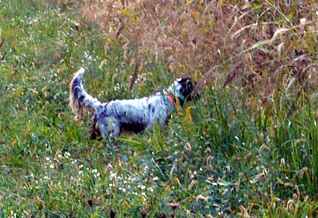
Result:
pixel 108 126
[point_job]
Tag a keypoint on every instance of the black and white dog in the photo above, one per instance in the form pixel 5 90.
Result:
pixel 134 114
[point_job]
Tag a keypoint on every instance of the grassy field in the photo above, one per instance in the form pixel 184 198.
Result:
pixel 248 147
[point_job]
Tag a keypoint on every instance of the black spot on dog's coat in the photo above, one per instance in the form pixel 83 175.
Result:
pixel 151 108
pixel 133 127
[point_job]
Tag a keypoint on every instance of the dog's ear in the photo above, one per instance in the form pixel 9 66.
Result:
pixel 187 87
pixel 94 130
pixel 194 95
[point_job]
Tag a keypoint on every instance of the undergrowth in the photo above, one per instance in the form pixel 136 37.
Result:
pixel 247 147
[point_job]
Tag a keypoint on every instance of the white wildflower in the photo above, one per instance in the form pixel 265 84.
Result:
pixel 112 175
pixel 67 154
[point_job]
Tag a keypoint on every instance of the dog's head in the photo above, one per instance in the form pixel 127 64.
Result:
pixel 183 88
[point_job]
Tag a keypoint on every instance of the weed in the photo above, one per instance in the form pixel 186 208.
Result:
pixel 247 147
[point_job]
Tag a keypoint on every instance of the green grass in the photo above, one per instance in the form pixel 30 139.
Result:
pixel 226 154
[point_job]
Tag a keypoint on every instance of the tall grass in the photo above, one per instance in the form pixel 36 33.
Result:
pixel 247 147
pixel 262 45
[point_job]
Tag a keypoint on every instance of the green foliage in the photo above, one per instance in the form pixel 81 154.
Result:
pixel 229 153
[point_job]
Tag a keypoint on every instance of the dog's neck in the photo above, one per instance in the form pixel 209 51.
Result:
pixel 173 93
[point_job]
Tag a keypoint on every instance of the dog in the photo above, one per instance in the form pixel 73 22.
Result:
pixel 134 115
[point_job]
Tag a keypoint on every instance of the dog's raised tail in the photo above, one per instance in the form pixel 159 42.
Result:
pixel 79 98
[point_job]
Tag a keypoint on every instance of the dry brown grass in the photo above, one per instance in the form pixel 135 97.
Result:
pixel 262 46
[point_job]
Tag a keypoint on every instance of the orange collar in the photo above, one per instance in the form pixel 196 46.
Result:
pixel 170 98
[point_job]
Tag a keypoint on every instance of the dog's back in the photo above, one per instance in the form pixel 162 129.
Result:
pixel 142 111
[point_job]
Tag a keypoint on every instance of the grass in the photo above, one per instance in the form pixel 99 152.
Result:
pixel 247 147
